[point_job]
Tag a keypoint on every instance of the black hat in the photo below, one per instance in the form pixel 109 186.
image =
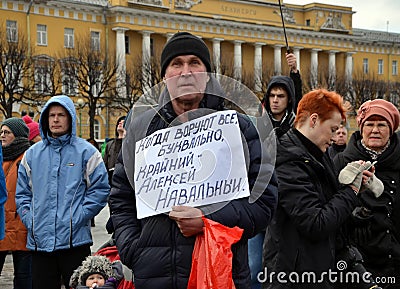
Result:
pixel 184 43
pixel 17 126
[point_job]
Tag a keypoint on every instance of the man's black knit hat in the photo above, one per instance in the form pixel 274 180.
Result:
pixel 184 43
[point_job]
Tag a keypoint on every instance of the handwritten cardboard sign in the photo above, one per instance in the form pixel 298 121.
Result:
pixel 197 163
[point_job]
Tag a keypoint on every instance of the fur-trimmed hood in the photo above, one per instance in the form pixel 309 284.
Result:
pixel 96 265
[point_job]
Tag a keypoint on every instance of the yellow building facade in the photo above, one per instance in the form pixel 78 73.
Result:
pixel 248 35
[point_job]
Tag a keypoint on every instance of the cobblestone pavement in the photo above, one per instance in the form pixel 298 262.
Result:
pixel 99 234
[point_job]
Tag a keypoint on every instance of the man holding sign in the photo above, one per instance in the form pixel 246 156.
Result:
pixel 187 158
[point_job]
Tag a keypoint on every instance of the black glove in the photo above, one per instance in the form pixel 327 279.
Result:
pixel 362 232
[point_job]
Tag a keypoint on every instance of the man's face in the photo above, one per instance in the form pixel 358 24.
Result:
pixel 186 78
pixel 278 102
pixel 341 136
pixel 59 120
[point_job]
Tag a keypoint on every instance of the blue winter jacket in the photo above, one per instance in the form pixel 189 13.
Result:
pixel 62 184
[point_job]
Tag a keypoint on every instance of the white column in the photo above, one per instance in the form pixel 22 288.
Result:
pixel 296 52
pixel 314 68
pixel 120 59
pixel 332 69
pixel 217 54
pixel 237 60
pixel 146 60
pixel 278 59
pixel 258 66
pixel 349 67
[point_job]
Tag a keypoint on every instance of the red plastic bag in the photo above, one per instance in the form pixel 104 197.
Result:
pixel 212 257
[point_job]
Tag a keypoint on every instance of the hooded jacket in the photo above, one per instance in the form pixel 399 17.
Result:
pixel 287 120
pixel 153 247
pixel 62 184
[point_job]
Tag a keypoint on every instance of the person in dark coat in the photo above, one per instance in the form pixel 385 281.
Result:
pixel 339 143
pixel 114 146
pixel 280 103
pixel 159 248
pixel 374 226
pixel 302 237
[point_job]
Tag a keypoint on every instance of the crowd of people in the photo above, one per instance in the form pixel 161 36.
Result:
pixel 328 198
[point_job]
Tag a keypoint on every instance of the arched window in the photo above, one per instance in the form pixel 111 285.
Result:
pixel 96 128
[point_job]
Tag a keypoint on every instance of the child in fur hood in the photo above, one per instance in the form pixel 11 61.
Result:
pixel 97 271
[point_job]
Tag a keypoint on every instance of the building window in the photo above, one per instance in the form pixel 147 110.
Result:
pixel 12 31
pixel 380 66
pixel 68 38
pixel 127 46
pixel 394 67
pixel 365 65
pixel 308 22
pixel 95 40
pixel 41 34
pixel 13 75
pixel 69 81
pixel 96 129
pixel 42 79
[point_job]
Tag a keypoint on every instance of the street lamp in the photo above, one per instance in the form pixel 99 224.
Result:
pixel 81 103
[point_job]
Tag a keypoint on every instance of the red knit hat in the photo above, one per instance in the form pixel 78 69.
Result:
pixel 381 108
pixel 33 127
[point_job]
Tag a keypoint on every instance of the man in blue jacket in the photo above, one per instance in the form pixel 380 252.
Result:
pixel 62 184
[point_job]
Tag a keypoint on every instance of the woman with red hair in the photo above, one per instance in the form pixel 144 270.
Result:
pixel 302 238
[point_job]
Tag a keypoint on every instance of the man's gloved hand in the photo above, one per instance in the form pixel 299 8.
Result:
pixel 352 174
pixel 375 185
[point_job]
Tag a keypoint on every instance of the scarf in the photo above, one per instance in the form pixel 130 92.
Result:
pixel 16 148
pixel 374 154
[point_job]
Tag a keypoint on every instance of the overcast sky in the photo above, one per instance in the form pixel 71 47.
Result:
pixel 370 14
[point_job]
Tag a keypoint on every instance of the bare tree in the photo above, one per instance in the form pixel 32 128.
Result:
pixel 16 75
pixel 143 80
pixel 93 74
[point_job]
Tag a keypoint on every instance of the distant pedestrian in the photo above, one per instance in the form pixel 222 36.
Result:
pixel 62 185
pixel 339 143
pixel 14 141
pixel 113 147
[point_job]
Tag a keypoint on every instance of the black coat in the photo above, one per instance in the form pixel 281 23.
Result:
pixel 159 255
pixel 302 236
pixel 378 235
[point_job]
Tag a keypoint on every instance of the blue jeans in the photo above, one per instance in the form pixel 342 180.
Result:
pixel 22 261
pixel 255 249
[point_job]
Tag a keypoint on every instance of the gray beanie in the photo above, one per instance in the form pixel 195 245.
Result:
pixel 17 126
pixel 92 265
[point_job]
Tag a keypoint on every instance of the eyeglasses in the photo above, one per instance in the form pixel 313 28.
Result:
pixel 5 132
pixel 382 126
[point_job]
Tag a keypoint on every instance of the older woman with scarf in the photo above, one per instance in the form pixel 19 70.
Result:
pixel 375 224
pixel 14 139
